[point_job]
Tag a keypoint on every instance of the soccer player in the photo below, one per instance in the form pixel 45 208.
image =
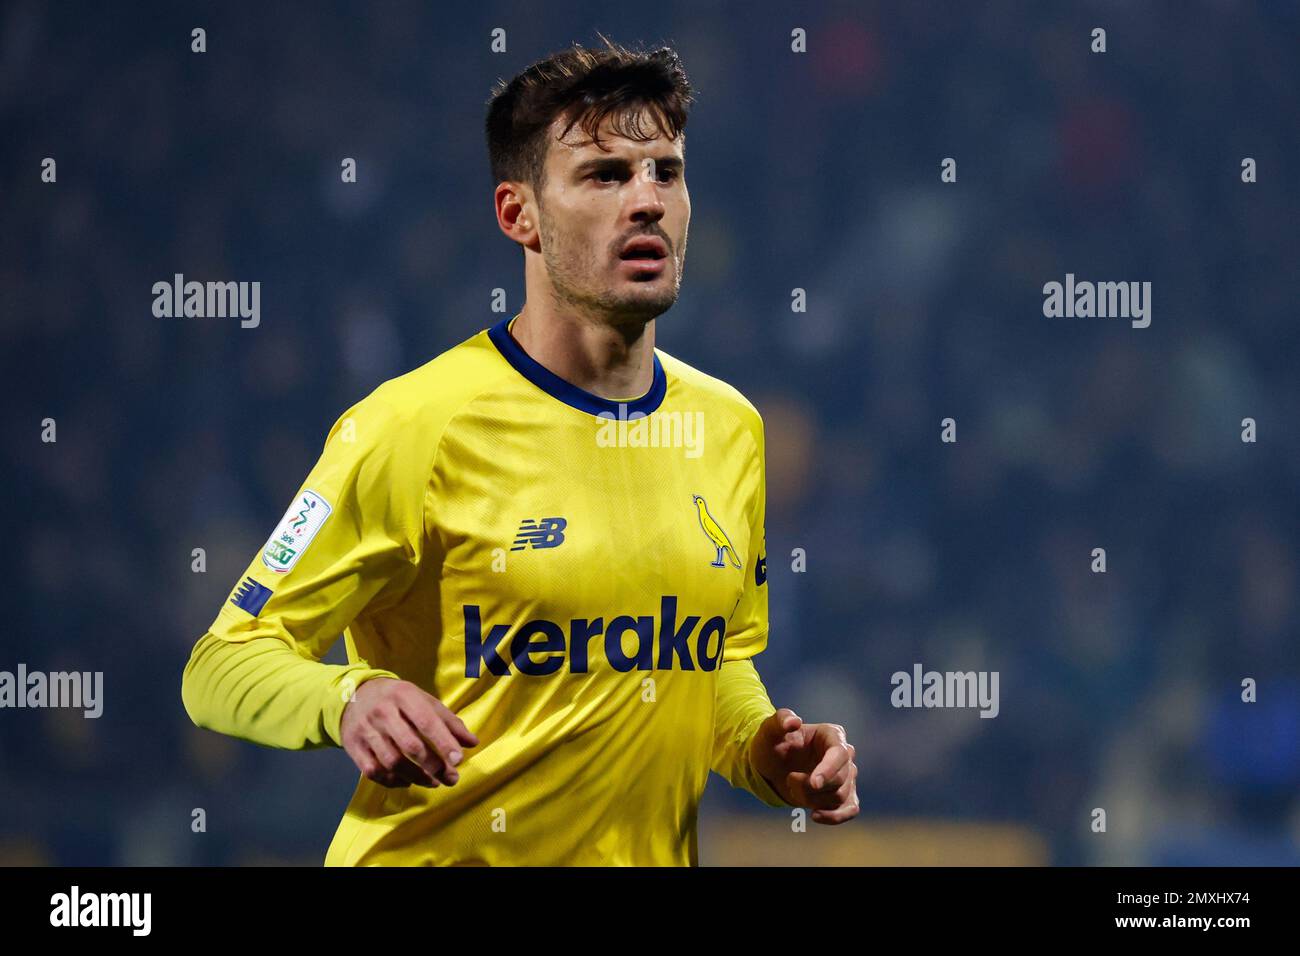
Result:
pixel 545 546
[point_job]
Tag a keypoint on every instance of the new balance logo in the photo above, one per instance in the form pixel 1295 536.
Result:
pixel 540 533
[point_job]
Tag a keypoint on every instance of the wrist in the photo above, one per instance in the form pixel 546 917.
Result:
pixel 344 692
pixel 761 786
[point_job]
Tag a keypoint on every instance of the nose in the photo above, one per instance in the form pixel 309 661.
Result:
pixel 646 203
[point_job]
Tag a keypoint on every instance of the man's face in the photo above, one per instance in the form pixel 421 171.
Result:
pixel 597 200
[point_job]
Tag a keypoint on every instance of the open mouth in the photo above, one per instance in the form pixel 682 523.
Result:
pixel 647 248
pixel 645 255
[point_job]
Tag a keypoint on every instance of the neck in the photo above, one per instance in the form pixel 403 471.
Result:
pixel 613 362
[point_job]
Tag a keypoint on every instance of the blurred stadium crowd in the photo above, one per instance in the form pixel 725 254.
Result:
pixel 817 171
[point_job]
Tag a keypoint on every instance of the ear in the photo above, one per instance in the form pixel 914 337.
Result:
pixel 516 216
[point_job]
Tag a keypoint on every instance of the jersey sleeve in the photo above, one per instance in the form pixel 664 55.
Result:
pixel 742 705
pixel 742 700
pixel 349 543
pixel 747 627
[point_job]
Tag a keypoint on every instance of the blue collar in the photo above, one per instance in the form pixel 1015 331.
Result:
pixel 570 394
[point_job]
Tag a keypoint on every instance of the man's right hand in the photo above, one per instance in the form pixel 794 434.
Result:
pixel 398 735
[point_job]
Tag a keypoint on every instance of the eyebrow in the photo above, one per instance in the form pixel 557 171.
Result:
pixel 618 163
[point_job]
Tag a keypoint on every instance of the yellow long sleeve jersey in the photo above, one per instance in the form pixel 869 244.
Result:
pixel 582 581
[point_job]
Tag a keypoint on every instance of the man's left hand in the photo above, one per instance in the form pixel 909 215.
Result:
pixel 809 765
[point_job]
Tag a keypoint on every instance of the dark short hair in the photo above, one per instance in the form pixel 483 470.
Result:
pixel 584 86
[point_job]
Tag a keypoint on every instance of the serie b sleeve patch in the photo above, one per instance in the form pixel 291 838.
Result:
pixel 295 531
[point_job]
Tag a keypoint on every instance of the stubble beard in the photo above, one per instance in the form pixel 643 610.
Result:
pixel 573 270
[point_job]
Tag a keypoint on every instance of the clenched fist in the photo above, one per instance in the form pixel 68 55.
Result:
pixel 398 735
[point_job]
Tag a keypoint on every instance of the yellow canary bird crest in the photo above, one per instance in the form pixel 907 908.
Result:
pixel 717 537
